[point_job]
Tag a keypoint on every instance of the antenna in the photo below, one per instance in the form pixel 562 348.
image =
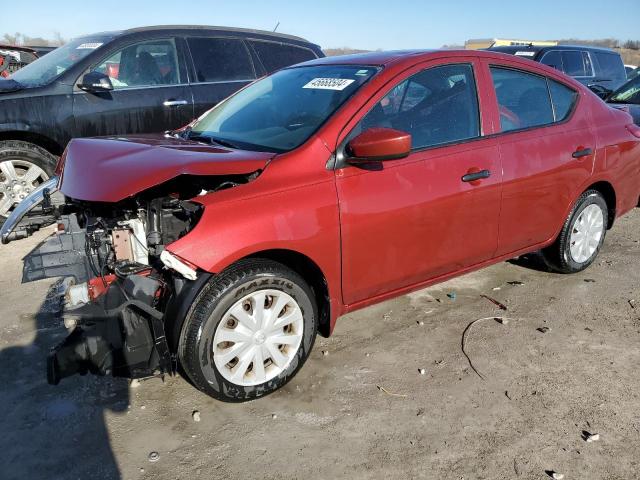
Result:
pixel 276 27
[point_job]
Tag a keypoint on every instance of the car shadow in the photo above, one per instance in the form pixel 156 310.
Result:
pixel 54 431
pixel 533 261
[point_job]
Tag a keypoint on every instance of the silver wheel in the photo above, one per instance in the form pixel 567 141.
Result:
pixel 18 178
pixel 258 337
pixel 586 233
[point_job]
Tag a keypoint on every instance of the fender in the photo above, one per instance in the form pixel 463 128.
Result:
pixel 230 231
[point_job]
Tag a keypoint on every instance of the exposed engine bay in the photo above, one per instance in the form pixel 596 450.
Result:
pixel 118 311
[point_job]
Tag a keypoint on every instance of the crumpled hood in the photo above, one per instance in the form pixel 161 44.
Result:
pixel 115 168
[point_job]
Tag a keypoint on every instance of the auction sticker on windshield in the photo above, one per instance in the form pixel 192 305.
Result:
pixel 88 46
pixel 329 83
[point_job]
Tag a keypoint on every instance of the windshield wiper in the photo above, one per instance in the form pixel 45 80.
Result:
pixel 209 139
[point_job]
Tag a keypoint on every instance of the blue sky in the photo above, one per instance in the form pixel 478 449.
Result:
pixel 368 24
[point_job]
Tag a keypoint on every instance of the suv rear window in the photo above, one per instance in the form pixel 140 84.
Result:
pixel 220 59
pixel 611 66
pixel 275 56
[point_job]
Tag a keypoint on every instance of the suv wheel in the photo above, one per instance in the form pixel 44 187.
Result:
pixel 23 166
pixel 582 235
pixel 249 331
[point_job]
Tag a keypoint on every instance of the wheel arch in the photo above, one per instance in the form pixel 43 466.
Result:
pixel 178 308
pixel 311 273
pixel 608 192
pixel 38 139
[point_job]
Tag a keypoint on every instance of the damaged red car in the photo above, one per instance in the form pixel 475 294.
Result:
pixel 226 246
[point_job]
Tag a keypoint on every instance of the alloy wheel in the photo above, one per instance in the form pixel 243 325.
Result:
pixel 18 178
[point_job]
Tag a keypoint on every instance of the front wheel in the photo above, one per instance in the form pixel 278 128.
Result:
pixel 582 235
pixel 249 331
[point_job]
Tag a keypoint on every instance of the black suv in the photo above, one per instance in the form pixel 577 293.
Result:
pixel 135 81
pixel 601 69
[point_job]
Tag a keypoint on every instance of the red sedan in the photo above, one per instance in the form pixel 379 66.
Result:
pixel 321 189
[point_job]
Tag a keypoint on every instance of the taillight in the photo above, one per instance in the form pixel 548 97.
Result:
pixel 634 129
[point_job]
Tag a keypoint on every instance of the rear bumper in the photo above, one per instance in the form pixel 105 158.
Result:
pixel 11 230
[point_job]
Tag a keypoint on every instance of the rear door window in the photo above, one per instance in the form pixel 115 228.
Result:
pixel 275 56
pixel 611 66
pixel 574 63
pixel 523 99
pixel 220 59
pixel 553 59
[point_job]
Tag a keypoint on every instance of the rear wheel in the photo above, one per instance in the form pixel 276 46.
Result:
pixel 582 235
pixel 249 331
pixel 23 166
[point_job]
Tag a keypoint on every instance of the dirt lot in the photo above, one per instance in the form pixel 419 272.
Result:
pixel 540 390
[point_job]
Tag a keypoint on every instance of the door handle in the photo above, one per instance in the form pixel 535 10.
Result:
pixel 472 177
pixel 174 103
pixel 584 152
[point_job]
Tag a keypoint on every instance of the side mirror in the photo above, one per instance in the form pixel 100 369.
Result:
pixel 378 144
pixel 95 82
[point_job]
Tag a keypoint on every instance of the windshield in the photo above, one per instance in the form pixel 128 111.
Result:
pixel 282 111
pixel 45 69
pixel 628 93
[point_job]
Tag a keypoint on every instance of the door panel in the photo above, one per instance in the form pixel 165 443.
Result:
pixel 139 110
pixel 540 181
pixel 416 219
pixel 150 92
pixel 543 124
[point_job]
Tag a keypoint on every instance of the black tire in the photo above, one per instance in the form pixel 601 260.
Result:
pixel 18 150
pixel 558 256
pixel 196 349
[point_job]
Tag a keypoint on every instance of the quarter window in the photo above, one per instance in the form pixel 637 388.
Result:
pixel 523 99
pixel 220 59
pixel 436 106
pixel 275 56
pixel 563 99
pixel 143 64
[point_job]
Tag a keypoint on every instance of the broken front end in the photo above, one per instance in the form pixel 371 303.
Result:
pixel 124 293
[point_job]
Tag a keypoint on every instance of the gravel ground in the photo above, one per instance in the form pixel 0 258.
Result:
pixel 365 409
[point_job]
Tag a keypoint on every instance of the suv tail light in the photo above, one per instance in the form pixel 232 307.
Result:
pixel 634 129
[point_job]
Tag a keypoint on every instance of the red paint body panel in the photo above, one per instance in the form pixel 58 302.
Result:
pixel 380 233
pixel 124 167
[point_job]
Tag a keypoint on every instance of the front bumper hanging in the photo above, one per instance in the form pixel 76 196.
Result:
pixel 120 333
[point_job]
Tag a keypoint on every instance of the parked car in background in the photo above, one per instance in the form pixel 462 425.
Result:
pixel 13 58
pixel 634 73
pixel 627 98
pixel 41 50
pixel 601 69
pixel 134 81
pixel 321 189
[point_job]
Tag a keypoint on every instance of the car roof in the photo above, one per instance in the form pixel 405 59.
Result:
pixel 15 47
pixel 538 48
pixel 161 28
pixel 383 58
